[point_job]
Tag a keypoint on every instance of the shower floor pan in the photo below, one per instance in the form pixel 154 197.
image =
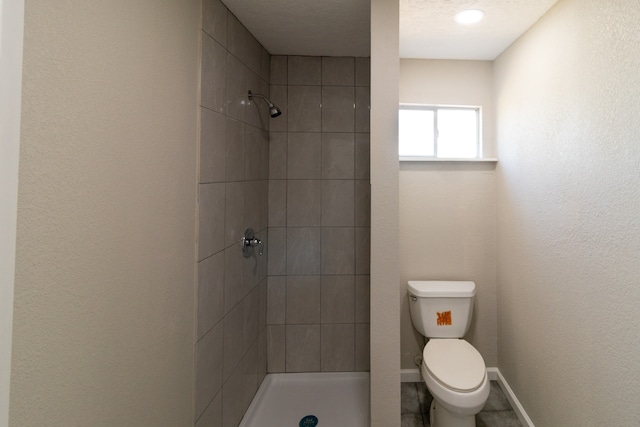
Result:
pixel 335 399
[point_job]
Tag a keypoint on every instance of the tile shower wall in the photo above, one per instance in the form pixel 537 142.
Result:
pixel 319 215
pixel 232 195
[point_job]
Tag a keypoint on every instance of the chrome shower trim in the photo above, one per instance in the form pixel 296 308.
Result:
pixel 273 110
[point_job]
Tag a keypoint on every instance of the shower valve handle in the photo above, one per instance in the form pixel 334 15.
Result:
pixel 249 241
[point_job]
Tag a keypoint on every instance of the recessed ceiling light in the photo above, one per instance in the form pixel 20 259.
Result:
pixel 470 16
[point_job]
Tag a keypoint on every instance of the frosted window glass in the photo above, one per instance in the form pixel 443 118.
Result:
pixel 416 134
pixel 439 132
pixel 457 133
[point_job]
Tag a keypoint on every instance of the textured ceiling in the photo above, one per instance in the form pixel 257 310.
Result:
pixel 427 28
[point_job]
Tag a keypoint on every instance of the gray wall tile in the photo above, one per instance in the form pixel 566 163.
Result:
pixel 252 210
pixel 278 70
pixel 214 20
pixel 338 155
pixel 362 299
pixel 276 300
pixel 277 256
pixel 249 375
pixel 363 107
pixel 363 202
pixel 276 348
pixel 211 217
pixel 303 155
pixel 264 155
pixel 303 250
pixel 213 86
pixel 252 153
pixel 338 71
pixel 325 165
pixel 304 200
pixel 210 303
pixel 362 156
pixel 212 416
pixel 337 299
pixel 338 109
pixel 277 203
pixel 362 347
pixel 254 54
pixel 363 243
pixel 304 70
pixel 338 203
pixel 262 355
pixel 237 83
pixel 233 282
pixel 236 38
pixel 265 67
pixel 208 370
pixel 232 340
pixel 235 212
pixel 303 348
pixel 213 146
pixel 338 347
pixel 251 313
pixel 363 71
pixel 262 316
pixel 234 158
pixel 303 109
pixel 277 155
pixel 232 410
pixel 338 250
pixel 231 354
pixel 303 300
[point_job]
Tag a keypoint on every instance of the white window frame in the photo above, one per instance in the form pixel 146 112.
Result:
pixel 435 108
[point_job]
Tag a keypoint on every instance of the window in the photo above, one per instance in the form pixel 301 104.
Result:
pixel 431 132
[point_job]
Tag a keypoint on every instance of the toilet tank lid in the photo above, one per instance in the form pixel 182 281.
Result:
pixel 442 288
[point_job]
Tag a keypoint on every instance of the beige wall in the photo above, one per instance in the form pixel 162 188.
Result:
pixel 11 27
pixel 104 293
pixel 447 210
pixel 568 202
pixel 385 308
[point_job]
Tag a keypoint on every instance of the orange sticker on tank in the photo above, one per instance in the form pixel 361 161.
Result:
pixel 444 318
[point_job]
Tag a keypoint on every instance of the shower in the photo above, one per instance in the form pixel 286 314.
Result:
pixel 273 110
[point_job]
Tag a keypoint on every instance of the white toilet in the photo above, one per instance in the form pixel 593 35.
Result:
pixel 453 369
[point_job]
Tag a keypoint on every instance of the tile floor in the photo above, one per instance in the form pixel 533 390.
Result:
pixel 416 401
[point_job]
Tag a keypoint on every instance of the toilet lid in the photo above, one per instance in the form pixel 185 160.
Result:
pixel 455 363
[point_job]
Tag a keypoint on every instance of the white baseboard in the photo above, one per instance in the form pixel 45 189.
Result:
pixel 414 376
pixel 511 397
pixel 410 376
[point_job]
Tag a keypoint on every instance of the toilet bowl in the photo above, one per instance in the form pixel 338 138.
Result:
pixel 455 374
pixel 453 370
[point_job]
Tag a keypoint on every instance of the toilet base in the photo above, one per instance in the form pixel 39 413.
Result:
pixel 439 416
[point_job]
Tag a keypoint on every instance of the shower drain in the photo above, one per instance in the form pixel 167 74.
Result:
pixel 309 421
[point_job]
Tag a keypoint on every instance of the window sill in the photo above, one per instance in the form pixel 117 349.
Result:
pixel 431 159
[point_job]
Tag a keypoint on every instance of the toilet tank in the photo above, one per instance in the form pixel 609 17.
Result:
pixel 441 309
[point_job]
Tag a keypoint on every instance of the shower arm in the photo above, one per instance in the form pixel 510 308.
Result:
pixel 274 111
pixel 257 95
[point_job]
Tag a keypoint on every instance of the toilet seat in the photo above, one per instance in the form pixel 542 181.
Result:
pixel 455 364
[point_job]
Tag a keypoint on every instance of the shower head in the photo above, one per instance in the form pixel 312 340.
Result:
pixel 273 110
